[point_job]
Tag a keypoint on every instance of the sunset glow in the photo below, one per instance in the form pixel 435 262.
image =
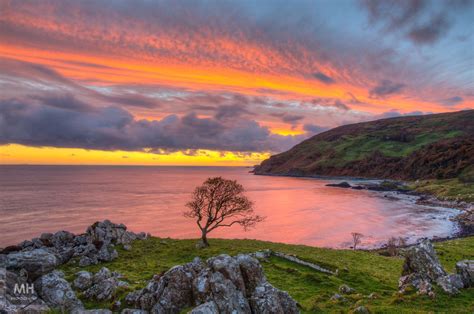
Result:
pixel 90 83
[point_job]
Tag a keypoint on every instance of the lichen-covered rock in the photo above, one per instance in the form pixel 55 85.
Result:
pixel 102 285
pixel 422 268
pixel 57 292
pixel 361 310
pixel 36 262
pixel 465 269
pixel 205 308
pixel 223 284
pixel 13 303
pixel 83 280
pixel 133 311
pixel 266 299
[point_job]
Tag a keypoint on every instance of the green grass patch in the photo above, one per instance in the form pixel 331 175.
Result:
pixel 448 189
pixel 366 272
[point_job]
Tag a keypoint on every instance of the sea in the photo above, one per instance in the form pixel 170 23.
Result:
pixel 38 199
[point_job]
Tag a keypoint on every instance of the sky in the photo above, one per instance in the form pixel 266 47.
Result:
pixel 219 82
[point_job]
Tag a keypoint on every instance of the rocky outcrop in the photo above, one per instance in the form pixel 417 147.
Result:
pixel 422 269
pixel 223 284
pixel 100 286
pixel 57 293
pixel 36 260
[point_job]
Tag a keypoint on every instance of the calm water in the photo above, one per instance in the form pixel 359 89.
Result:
pixel 36 199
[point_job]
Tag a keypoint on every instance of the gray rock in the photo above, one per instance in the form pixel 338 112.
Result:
pixel 465 269
pixel 225 284
pixel 205 308
pixel 57 292
pixel 86 261
pixel 103 285
pixel 450 283
pixel 36 262
pixel 94 311
pixel 11 302
pixel 422 268
pixel 127 247
pixel 337 297
pixel 266 299
pixel 83 280
pixel 345 289
pixel 133 311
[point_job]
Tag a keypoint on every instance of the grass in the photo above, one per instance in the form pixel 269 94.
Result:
pixel 449 189
pixel 366 272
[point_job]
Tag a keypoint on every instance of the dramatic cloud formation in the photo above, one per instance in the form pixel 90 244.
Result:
pixel 239 76
pixel 64 123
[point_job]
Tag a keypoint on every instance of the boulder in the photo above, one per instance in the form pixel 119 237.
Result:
pixel 133 311
pixel 108 232
pixel 361 310
pixel 422 269
pixel 223 284
pixel 266 299
pixel 465 269
pixel 83 280
pixel 36 262
pixel 57 292
pixel 27 301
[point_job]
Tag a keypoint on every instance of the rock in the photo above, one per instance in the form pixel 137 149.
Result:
pixel 11 302
pixel 361 310
pixel 127 247
pixel 57 292
pixel 94 311
pixel 345 289
pixel 340 185
pixel 86 261
pixel 107 253
pixel 109 233
pixel 133 311
pixel 338 298
pixel 205 308
pixel 36 262
pixel 450 283
pixel 11 249
pixel 103 285
pixel 223 284
pixel 263 254
pixel 83 280
pixel 46 238
pixel 116 306
pixel 268 300
pixel 465 269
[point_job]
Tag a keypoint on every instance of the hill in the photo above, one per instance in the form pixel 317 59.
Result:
pixel 436 146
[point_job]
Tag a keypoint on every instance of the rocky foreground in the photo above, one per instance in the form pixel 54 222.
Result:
pixel 220 284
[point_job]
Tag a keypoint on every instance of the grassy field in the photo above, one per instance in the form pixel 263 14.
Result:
pixel 449 189
pixel 367 272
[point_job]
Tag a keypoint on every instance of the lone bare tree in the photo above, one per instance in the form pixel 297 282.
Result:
pixel 219 202
pixel 356 239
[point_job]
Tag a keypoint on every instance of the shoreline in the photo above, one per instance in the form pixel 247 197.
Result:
pixel 465 219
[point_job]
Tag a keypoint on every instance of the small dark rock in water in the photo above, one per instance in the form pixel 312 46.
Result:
pixel 340 185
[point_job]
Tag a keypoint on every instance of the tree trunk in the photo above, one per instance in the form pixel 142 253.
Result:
pixel 203 242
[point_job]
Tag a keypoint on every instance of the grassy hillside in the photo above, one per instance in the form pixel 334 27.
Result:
pixel 439 146
pixel 367 272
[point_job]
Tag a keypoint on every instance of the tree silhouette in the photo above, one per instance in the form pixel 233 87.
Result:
pixel 219 202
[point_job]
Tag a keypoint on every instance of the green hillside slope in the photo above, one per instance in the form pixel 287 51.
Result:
pixel 437 146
